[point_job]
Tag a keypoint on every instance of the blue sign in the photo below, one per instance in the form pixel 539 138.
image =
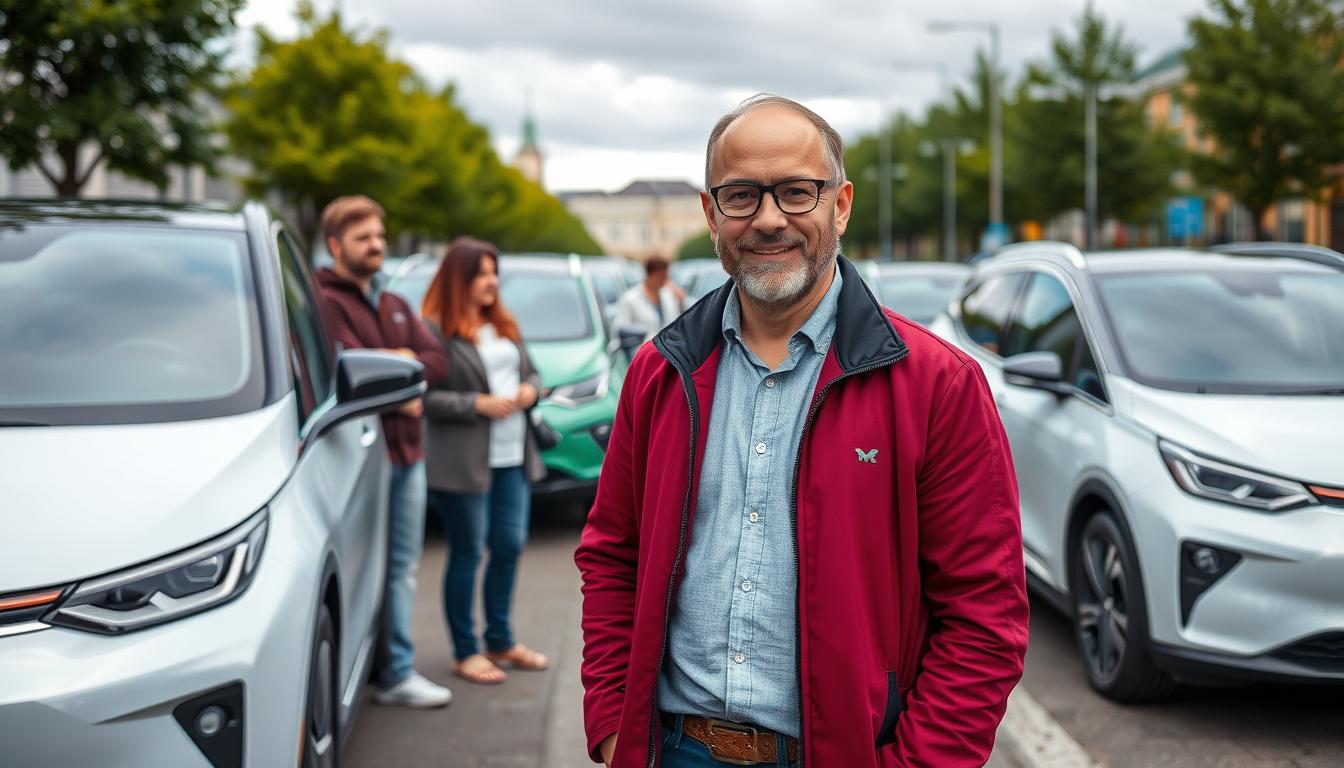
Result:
pixel 994 237
pixel 1185 217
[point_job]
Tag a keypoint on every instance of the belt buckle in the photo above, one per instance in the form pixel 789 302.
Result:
pixel 724 725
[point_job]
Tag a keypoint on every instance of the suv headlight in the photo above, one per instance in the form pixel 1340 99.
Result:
pixel 173 587
pixel 1215 480
pixel 580 392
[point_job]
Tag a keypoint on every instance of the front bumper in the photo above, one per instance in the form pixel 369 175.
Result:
pixel 1274 615
pixel 70 698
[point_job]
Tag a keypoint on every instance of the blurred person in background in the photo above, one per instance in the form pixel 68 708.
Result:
pixel 481 455
pixel 362 315
pixel 648 307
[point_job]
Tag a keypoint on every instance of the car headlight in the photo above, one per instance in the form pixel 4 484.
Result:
pixel 580 392
pixel 1215 480
pixel 179 585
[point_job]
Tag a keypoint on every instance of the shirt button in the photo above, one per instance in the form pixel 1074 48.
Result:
pixel 754 517
pixel 760 447
pixel 746 585
pixel 769 382
pixel 739 658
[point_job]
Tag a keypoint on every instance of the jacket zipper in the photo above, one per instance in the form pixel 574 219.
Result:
pixel 688 388
pixel 793 513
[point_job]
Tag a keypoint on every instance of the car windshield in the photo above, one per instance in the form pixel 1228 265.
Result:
pixel 110 324
pixel 918 297
pixel 550 306
pixel 1234 330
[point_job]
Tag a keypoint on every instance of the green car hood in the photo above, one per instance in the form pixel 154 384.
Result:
pixel 565 362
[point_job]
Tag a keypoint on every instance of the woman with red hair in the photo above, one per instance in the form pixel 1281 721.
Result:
pixel 480 455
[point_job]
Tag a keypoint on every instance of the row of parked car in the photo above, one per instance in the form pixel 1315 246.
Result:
pixel 195 483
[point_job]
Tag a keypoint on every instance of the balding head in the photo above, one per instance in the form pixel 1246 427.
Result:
pixel 833 147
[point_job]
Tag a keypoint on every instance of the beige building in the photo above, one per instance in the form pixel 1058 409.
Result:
pixel 646 218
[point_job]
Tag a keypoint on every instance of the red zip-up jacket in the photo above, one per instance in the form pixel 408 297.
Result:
pixel 912 604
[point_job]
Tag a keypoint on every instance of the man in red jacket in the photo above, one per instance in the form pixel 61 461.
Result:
pixel 805 547
pixel 362 315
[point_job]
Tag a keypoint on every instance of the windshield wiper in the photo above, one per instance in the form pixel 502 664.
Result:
pixel 1317 391
pixel 17 423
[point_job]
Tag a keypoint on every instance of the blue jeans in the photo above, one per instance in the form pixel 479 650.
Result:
pixel 473 521
pixel 405 539
pixel 681 751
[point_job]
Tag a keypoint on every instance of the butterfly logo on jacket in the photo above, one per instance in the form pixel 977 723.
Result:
pixel 867 457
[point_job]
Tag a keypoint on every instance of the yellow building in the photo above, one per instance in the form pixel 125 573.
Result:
pixel 1295 219
pixel 644 219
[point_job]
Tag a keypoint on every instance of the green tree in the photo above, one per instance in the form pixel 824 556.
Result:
pixel 322 116
pixel 699 247
pixel 1134 162
pixel 124 79
pixel 1268 88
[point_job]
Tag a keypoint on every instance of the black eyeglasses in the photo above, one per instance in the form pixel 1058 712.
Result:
pixel 740 200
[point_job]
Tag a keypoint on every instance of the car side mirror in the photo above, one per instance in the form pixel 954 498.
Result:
pixel 370 382
pixel 1037 370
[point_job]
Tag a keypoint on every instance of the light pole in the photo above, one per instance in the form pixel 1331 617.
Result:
pixel 884 174
pixel 949 147
pixel 995 115
pixel 1091 91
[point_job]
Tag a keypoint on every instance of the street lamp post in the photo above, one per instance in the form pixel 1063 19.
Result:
pixel 949 147
pixel 995 114
pixel 1091 92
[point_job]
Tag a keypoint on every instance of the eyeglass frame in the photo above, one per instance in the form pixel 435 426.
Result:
pixel 769 189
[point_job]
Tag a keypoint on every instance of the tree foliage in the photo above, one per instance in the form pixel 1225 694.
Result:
pixel 331 113
pixel 699 247
pixel 124 78
pixel 1267 86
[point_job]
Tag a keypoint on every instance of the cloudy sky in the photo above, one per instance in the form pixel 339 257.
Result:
pixel 625 89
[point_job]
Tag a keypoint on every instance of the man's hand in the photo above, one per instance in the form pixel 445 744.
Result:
pixel 413 408
pixel 527 396
pixel 608 749
pixel 495 407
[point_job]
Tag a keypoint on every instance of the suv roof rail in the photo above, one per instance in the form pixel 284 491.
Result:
pixel 1314 253
pixel 1066 251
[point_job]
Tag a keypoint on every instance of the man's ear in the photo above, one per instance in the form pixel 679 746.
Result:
pixel 707 203
pixel 333 246
pixel 844 202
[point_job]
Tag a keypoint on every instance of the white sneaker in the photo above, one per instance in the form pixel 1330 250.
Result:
pixel 416 692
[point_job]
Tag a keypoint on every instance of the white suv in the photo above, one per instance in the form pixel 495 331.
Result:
pixel 1175 417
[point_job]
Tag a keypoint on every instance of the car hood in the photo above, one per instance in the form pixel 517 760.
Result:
pixel 82 501
pixel 1296 437
pixel 565 362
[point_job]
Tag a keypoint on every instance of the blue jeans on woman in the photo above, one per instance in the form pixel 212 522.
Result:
pixel 682 751
pixel 496 519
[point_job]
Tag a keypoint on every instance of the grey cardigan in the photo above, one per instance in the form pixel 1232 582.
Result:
pixel 457 438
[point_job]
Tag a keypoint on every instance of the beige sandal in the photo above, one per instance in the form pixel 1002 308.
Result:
pixel 520 657
pixel 480 670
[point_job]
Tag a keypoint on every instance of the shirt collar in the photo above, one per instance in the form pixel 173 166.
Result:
pixel 818 329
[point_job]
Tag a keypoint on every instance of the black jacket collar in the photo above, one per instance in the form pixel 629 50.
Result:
pixel 864 336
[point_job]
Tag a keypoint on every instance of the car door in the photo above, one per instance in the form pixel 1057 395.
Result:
pixel 345 467
pixel 1055 437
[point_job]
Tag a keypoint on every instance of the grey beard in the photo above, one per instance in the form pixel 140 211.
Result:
pixel 778 288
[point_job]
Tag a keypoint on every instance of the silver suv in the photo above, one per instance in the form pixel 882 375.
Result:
pixel 194 492
pixel 1175 421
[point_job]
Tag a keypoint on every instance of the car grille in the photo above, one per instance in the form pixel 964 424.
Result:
pixel 1323 652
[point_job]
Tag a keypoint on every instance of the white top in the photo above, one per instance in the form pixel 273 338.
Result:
pixel 502 363
pixel 636 311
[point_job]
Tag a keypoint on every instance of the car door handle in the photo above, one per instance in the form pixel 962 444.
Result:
pixel 368 437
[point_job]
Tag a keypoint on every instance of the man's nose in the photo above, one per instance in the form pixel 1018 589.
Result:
pixel 769 218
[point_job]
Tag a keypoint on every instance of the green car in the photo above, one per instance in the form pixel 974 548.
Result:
pixel 566 336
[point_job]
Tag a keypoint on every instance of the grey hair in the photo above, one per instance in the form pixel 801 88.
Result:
pixel 834 145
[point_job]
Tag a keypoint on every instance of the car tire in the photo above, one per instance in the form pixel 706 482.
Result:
pixel 321 734
pixel 1110 615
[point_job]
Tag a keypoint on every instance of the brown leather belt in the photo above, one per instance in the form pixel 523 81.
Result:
pixel 734 743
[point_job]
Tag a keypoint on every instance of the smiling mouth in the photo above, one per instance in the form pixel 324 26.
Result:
pixel 776 251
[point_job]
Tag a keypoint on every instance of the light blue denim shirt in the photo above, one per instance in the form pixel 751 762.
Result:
pixel 732 643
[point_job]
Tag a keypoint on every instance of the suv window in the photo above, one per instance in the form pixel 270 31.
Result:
pixel 310 357
pixel 985 310
pixel 1047 321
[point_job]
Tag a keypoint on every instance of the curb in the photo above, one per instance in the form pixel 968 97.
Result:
pixel 1031 738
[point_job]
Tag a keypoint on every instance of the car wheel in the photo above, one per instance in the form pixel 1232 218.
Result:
pixel 321 741
pixel 1110 616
